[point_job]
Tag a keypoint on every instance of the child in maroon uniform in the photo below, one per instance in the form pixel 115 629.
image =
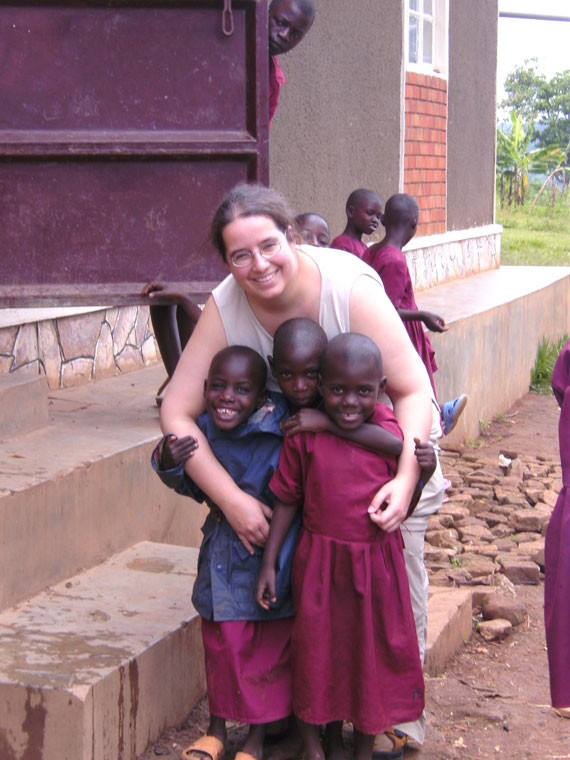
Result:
pixel 313 229
pixel 298 346
pixel 354 647
pixel 363 212
pixel 289 21
pixel 400 220
pixel 557 554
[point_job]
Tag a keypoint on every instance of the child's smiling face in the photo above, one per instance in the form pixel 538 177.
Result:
pixel 350 391
pixel 232 391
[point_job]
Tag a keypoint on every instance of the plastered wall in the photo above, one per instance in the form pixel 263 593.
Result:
pixel 471 113
pixel 339 121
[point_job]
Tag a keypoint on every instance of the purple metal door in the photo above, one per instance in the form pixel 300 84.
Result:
pixel 121 127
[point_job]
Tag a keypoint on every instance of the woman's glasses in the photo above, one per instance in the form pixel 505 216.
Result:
pixel 267 250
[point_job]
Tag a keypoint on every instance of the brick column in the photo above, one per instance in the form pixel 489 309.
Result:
pixel 425 149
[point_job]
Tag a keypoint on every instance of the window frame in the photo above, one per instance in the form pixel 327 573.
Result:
pixel 439 26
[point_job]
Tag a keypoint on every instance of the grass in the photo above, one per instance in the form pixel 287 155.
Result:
pixel 538 239
pixel 546 355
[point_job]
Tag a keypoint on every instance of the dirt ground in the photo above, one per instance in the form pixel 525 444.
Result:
pixel 493 700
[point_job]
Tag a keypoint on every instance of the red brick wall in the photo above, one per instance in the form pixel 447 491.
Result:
pixel 425 149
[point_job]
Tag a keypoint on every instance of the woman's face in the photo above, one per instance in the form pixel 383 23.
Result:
pixel 260 278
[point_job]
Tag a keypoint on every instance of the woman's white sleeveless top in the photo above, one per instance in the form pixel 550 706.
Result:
pixel 339 271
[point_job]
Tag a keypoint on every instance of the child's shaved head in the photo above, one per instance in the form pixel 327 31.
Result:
pixel 360 197
pixel 252 361
pixel 400 209
pixel 299 331
pixel 349 349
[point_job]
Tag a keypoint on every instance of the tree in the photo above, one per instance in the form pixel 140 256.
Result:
pixel 515 159
pixel 543 104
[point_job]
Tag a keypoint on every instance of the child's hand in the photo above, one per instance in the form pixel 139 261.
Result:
pixel 306 421
pixel 265 591
pixel 177 450
pixel 425 455
pixel 165 292
pixel 434 322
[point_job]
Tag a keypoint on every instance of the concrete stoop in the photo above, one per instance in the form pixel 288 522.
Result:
pixel 96 667
pixel 80 489
pixel 450 625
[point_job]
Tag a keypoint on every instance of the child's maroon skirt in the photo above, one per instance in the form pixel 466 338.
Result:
pixel 248 669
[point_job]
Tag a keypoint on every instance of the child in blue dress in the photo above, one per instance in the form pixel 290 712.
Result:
pixel 246 648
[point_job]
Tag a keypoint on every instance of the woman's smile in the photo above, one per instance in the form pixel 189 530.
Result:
pixel 264 276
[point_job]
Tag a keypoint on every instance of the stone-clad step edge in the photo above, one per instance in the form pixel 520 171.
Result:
pixel 23 404
pixel 450 625
pixel 99 665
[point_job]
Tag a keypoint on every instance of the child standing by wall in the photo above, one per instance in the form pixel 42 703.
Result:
pixel 557 554
pixel 289 21
pixel 246 648
pixel 400 220
pixel 363 212
pixel 354 647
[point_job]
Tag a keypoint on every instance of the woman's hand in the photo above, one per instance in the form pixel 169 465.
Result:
pixel 389 507
pixel 306 421
pixel 250 520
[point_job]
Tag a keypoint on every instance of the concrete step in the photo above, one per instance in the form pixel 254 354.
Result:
pixel 23 404
pixel 496 321
pixel 81 489
pixel 96 667
pixel 450 625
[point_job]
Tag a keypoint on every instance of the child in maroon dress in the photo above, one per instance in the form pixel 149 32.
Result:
pixel 313 229
pixel 400 220
pixel 354 648
pixel 289 21
pixel 363 212
pixel 557 554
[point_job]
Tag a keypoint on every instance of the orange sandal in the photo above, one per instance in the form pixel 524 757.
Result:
pixel 204 748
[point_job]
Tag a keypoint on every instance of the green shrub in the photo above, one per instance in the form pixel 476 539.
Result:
pixel 546 355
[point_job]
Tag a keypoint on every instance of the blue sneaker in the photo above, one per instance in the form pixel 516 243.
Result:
pixel 452 411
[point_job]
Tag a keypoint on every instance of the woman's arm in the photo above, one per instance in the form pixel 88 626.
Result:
pixel 182 404
pixel 372 314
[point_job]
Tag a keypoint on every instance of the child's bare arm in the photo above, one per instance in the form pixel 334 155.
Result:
pixel 176 451
pixel 281 521
pixel 432 321
pixel 368 435
pixel 170 295
pixel 427 461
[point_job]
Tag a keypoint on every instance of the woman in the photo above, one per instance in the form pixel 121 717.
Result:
pixel 272 280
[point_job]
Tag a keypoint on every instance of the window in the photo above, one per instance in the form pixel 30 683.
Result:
pixel 426 38
pixel 420 32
